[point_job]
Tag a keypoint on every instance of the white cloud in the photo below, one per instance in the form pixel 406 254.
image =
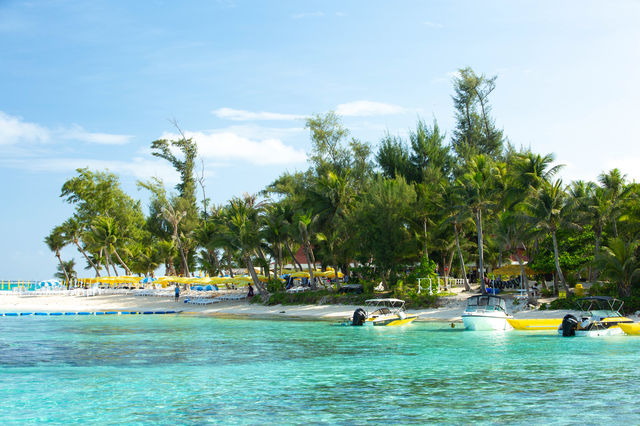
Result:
pixel 14 130
pixel 241 115
pixel 76 132
pixel 138 167
pixel 433 24
pixel 307 15
pixel 368 108
pixel 229 146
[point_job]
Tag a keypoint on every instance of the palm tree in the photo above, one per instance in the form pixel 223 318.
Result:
pixel 173 217
pixel 304 227
pixel 618 262
pixel 55 242
pixel 514 232
pixel 166 253
pixel 104 232
pixel 549 211
pixel 73 233
pixel 615 192
pixel 479 183
pixel 457 215
pixel 67 269
pixel 243 233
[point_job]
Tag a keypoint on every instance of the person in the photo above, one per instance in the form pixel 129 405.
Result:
pixel 250 291
pixel 177 292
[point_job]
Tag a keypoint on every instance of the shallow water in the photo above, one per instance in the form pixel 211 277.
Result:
pixel 178 369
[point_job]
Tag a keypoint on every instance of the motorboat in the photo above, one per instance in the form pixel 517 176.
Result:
pixel 486 312
pixel 600 316
pixel 382 312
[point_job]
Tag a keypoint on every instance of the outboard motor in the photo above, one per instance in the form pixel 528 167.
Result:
pixel 359 316
pixel 569 325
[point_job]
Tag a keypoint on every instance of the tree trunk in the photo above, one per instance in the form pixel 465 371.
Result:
pixel 480 251
pixel 264 259
pixel 124 265
pixel 426 252
pixel 229 263
pixel 467 287
pixel 256 282
pixel 597 251
pixel 451 254
pixel 310 266
pixel 84 253
pixel 214 258
pixel 294 260
pixel 557 261
pixel 523 275
pixel 62 266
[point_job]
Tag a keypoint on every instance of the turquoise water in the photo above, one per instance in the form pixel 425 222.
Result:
pixel 179 369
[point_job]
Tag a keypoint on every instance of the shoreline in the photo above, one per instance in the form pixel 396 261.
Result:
pixel 450 312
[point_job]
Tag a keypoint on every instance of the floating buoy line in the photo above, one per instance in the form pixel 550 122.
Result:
pixel 53 314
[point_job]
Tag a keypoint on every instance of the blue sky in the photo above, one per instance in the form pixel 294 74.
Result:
pixel 91 84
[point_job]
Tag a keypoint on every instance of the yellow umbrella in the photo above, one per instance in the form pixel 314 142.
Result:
pixel 299 275
pixel 512 270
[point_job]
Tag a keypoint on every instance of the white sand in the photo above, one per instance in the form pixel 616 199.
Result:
pixel 450 311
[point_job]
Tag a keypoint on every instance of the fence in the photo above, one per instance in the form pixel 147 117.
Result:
pixel 439 284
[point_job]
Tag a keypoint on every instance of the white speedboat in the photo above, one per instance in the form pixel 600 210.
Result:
pixel 600 316
pixel 382 312
pixel 486 312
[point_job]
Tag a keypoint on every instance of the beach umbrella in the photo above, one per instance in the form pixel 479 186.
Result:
pixel 300 275
pixel 513 270
pixel 147 280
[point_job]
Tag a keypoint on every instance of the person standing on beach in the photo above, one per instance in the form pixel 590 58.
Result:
pixel 177 292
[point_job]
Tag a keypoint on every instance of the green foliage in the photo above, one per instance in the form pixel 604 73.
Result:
pixel 575 249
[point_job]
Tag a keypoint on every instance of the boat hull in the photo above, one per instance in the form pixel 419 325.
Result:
pixel 485 322
pixel 391 321
pixel 604 332
pixel 632 329
pixel 535 323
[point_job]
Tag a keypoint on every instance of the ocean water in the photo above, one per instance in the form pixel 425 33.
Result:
pixel 195 370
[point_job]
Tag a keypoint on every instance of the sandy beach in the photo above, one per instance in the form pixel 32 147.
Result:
pixel 450 311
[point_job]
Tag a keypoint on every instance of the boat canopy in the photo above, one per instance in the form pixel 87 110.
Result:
pixel 609 305
pixel 392 303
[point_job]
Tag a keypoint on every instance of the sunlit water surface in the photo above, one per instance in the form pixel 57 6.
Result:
pixel 179 369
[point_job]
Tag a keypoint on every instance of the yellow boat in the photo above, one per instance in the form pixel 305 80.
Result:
pixel 383 312
pixel 535 323
pixel 630 328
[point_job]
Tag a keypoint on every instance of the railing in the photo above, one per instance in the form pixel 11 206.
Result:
pixel 439 284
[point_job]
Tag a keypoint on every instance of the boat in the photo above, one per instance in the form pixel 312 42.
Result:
pixel 382 312
pixel 632 329
pixel 486 312
pixel 600 316
pixel 535 323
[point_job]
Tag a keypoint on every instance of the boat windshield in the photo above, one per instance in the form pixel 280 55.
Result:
pixel 486 303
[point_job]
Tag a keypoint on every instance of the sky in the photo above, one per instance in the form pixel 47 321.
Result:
pixel 92 84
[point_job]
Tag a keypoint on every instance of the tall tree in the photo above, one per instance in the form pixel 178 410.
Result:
pixel 550 211
pixel 475 131
pixel 479 183
pixel 55 242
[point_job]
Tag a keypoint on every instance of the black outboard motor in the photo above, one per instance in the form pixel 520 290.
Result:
pixel 359 316
pixel 569 325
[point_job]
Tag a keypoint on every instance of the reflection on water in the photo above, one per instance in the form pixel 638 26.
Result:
pixel 184 369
